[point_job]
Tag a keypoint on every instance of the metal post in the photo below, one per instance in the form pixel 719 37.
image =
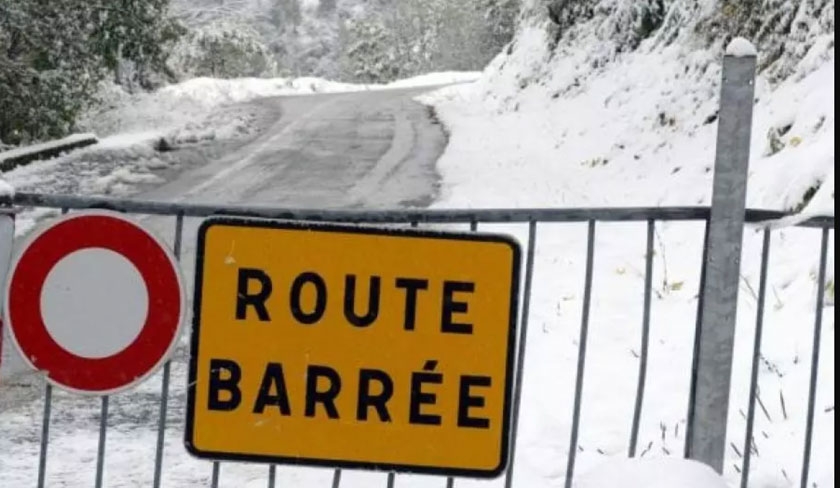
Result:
pixel 713 376
pixel 167 367
pixel 520 350
pixel 272 476
pixel 759 331
pixel 100 452
pixel 45 437
pixel 581 364
pixel 815 359
pixel 645 347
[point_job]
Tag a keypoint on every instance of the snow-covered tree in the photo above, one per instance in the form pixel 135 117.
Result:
pixel 138 34
pixel 285 14
pixel 339 38
pixel 222 49
pixel 369 54
pixel 53 54
pixel 498 24
pixel 46 75
pixel 417 36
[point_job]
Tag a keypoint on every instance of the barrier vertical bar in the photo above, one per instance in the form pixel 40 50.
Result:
pixel 100 452
pixel 759 330
pixel 214 478
pixel 581 364
pixel 520 354
pixel 45 436
pixel 643 359
pixel 392 477
pixel 696 348
pixel 164 389
pixel 815 359
pixel 45 425
pixel 272 476
pixel 450 481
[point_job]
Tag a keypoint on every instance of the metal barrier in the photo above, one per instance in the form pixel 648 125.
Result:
pixel 533 218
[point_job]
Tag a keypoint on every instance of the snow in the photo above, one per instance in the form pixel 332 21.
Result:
pixel 539 130
pixel 432 79
pixel 6 190
pixel 741 48
pixel 214 92
pixel 522 148
pixel 641 119
pixel 650 473
pixel 127 139
pixel 549 131
pixel 188 107
pixel 46 146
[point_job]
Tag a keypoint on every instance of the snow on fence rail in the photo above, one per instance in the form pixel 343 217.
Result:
pixel 25 155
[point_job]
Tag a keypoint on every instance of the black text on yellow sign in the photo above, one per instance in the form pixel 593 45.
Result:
pixel 353 347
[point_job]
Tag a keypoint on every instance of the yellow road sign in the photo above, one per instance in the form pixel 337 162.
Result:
pixel 353 347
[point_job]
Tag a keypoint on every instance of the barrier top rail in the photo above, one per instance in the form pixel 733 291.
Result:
pixel 396 216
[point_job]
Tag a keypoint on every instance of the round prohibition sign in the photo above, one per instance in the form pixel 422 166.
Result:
pixel 94 302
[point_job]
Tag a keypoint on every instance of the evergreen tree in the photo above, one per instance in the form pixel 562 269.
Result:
pixel 222 49
pixel 138 33
pixel 369 55
pixel 53 54
pixel 418 36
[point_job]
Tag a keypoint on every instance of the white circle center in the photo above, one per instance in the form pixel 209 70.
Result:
pixel 94 303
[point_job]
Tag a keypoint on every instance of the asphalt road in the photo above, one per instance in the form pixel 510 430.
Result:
pixel 370 149
pixel 374 149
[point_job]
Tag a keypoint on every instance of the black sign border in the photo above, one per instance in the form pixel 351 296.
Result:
pixel 189 430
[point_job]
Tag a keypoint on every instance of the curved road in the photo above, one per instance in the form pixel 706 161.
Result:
pixel 371 149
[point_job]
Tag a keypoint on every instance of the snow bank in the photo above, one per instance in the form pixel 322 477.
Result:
pixel 581 126
pixel 21 151
pixel 6 190
pixel 14 156
pixel 213 92
pixel 189 106
pixel 642 119
pixel 651 473
pixel 434 79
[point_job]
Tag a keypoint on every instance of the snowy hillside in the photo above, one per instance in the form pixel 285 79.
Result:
pixel 654 107
pixel 612 103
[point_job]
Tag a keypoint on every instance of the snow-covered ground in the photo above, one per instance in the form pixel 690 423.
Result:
pixel 46 146
pixel 650 473
pixel 641 132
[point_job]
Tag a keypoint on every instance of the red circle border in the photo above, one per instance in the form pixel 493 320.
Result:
pixel 163 322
